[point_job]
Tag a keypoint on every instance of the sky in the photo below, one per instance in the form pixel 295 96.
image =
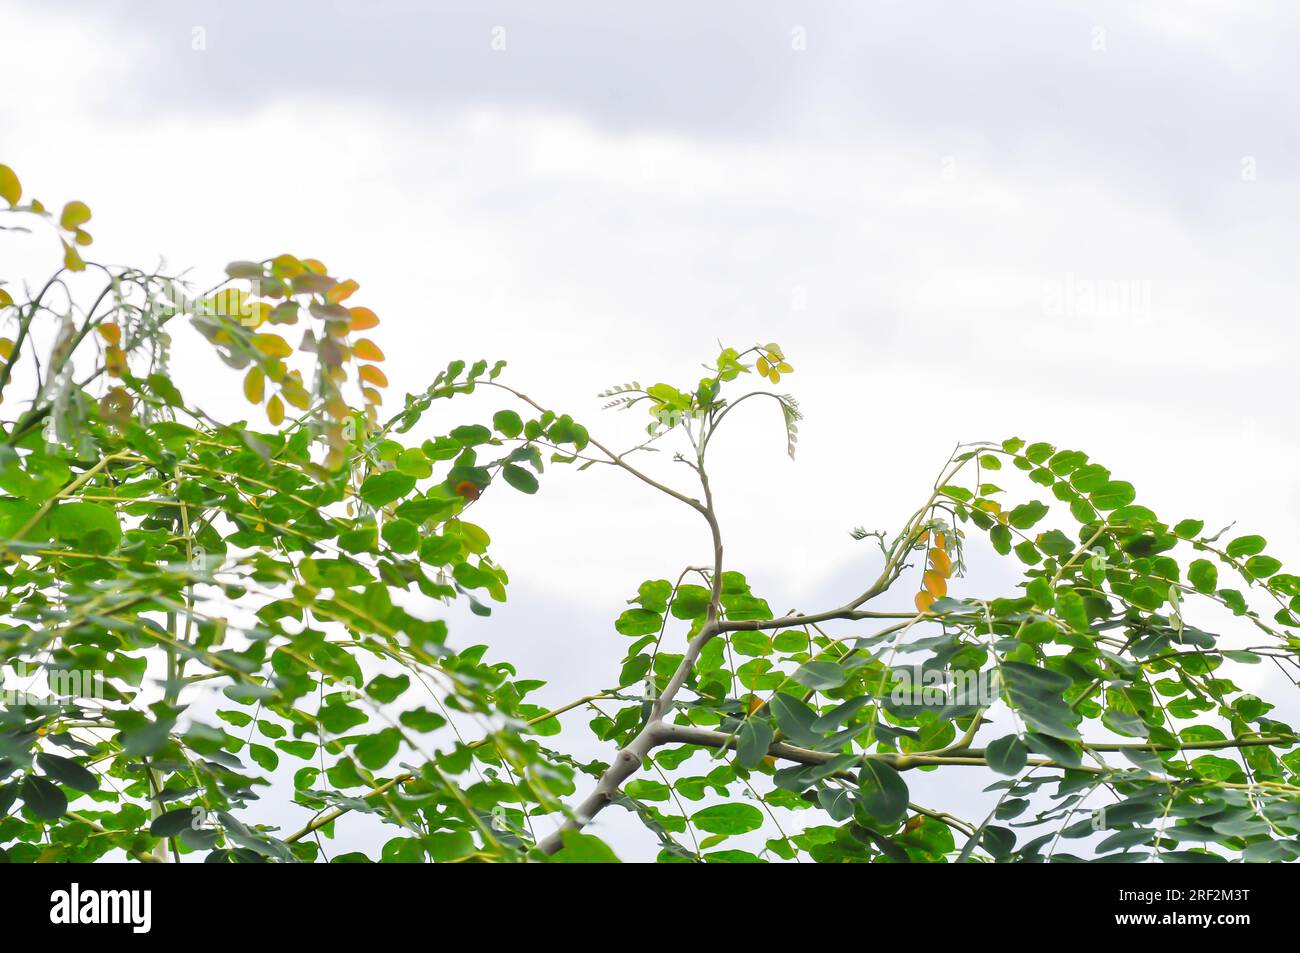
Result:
pixel 1069 222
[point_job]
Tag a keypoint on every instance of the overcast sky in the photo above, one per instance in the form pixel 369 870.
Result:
pixel 914 199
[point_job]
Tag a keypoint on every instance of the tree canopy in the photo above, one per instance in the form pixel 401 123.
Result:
pixel 200 613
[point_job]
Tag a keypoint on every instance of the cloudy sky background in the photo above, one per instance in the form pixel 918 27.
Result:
pixel 910 197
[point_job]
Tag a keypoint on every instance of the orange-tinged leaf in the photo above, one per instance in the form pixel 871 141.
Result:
pixel 935 584
pixel 923 601
pixel 913 823
pixel 110 332
pixel 114 360
pixel 363 319
pixel 75 214
pixel 275 410
pixel 254 385
pixel 367 350
pixel 373 375
pixel 941 563
pixel 467 490
pixel 372 396
pixel 939 541
pixel 317 266
pixel 755 703
pixel 272 345
pixel 341 291
pixel 11 190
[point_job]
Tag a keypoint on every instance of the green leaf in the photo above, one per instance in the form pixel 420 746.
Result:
pixel 66 771
pixel 375 751
pixel 521 479
pixel 89 524
pixel 795 719
pixel 471 434
pixel 1007 755
pixel 1261 567
pixel 820 676
pixel 1038 694
pixel 42 798
pixel 380 489
pixel 752 741
pixel 385 688
pixel 445 846
pixel 636 622
pixel 402 535
pixel 728 819
pixel 1203 575
pixel 1246 546
pixel 414 463
pixel 170 823
pixel 582 848
pixel 691 602
pixel 883 790
pixel 1113 495
pixel 508 423
pixel 1027 514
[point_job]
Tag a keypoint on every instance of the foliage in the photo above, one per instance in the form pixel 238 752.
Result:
pixel 205 615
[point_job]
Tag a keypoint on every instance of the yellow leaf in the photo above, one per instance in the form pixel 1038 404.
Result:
pixel 315 266
pixel 275 411
pixel 110 332
pixel 296 395
pixel 764 368
pixel 82 237
pixel 71 260
pixel 363 319
pixel 923 601
pixel 286 266
pixel 372 396
pixel 11 190
pixel 941 563
pixel 939 541
pixel 784 368
pixel 373 375
pixel 75 214
pixel 367 350
pixel 6 348
pixel 341 291
pixel 5 300
pixel 258 313
pixel 935 584
pixel 272 345
pixel 114 360
pixel 254 385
